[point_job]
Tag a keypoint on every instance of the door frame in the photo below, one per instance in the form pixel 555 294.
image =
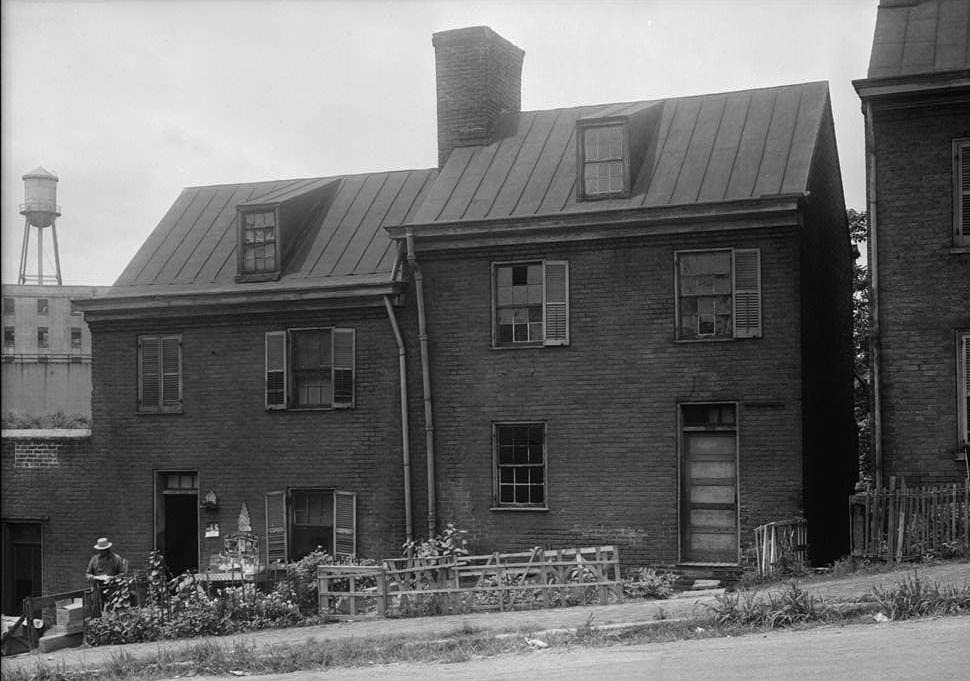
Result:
pixel 7 587
pixel 158 498
pixel 680 478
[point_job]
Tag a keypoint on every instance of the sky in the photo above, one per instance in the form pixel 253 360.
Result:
pixel 130 101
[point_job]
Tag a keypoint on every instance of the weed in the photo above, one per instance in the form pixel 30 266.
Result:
pixel 646 582
pixel 915 598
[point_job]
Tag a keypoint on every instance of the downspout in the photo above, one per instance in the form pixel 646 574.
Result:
pixel 874 297
pixel 405 428
pixel 425 381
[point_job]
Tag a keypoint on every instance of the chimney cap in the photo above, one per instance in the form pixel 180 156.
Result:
pixel 472 33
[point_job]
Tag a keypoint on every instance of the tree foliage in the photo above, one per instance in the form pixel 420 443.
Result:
pixel 861 336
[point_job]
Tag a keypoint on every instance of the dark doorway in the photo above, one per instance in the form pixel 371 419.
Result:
pixel 22 571
pixel 177 520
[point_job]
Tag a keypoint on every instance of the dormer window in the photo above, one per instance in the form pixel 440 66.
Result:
pixel 603 160
pixel 258 248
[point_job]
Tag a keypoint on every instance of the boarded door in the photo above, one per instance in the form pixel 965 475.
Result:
pixel 709 510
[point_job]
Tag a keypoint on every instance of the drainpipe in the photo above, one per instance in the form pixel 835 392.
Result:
pixel 875 346
pixel 425 382
pixel 405 428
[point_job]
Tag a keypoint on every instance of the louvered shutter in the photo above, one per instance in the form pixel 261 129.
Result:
pixel 344 523
pixel 149 379
pixel 747 293
pixel 276 541
pixel 962 186
pixel 343 368
pixel 276 369
pixel 171 370
pixel 555 307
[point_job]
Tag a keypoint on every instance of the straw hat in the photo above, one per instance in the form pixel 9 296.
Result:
pixel 103 544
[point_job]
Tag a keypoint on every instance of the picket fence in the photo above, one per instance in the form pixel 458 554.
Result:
pixel 903 523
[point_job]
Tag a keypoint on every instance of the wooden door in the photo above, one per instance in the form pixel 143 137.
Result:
pixel 709 510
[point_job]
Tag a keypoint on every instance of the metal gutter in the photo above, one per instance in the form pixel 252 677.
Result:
pixel 405 427
pixel 874 332
pixel 425 382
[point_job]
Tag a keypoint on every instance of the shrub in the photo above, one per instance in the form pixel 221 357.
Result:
pixel 450 542
pixel 645 582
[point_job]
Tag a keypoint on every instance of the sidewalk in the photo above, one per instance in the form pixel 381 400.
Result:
pixel 628 613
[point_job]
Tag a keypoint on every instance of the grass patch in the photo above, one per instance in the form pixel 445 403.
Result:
pixel 732 614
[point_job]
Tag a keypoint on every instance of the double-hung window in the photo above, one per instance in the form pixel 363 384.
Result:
pixel 520 465
pixel 310 368
pixel 160 373
pixel 603 160
pixel 961 192
pixel 718 294
pixel 531 303
pixel 258 242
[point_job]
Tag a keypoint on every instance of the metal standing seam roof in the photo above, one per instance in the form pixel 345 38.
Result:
pixel 920 37
pixel 193 248
pixel 708 148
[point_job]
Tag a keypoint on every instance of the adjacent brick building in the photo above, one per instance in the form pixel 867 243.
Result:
pixel 640 338
pixel 916 101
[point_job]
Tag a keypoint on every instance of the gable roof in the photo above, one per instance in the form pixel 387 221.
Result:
pixel 703 149
pixel 918 37
pixel 194 246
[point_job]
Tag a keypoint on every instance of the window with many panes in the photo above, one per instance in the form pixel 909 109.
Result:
pixel 258 242
pixel 520 465
pixel 961 192
pixel 718 294
pixel 963 390
pixel 43 338
pixel 603 160
pixel 310 368
pixel 75 338
pixel 160 373
pixel 531 303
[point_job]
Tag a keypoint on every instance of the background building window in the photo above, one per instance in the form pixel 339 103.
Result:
pixel 520 462
pixel 603 160
pixel 43 306
pixel 43 338
pixel 9 307
pixel 259 254
pixel 9 337
pixel 75 338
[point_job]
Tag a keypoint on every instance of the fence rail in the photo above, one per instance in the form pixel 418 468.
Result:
pixel 906 523
pixel 781 543
pixel 497 581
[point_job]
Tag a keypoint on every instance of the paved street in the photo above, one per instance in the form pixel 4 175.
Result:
pixel 937 650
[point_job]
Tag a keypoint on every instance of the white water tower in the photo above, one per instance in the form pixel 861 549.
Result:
pixel 40 211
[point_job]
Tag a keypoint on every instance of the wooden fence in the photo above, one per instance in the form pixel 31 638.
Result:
pixel 783 543
pixel 497 581
pixel 906 523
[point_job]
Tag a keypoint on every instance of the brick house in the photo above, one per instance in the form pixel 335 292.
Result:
pixel 642 339
pixel 638 315
pixel 916 101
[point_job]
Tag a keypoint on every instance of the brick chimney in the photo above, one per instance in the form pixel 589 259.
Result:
pixel 479 77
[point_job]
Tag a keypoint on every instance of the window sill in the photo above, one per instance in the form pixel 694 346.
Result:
pixel 714 340
pixel 160 412
pixel 519 509
pixel 527 346
pixel 301 410
pixel 255 277
pixel 960 250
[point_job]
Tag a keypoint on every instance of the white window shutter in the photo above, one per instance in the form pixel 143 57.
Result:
pixel 555 308
pixel 276 540
pixel 343 348
pixel 747 293
pixel 344 523
pixel 276 370
pixel 150 380
pixel 171 370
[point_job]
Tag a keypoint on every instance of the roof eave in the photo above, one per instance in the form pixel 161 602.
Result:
pixel 208 302
pixel 889 86
pixel 767 211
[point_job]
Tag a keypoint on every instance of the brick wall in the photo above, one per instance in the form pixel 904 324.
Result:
pixel 924 291
pixel 609 399
pixel 51 477
pixel 240 450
